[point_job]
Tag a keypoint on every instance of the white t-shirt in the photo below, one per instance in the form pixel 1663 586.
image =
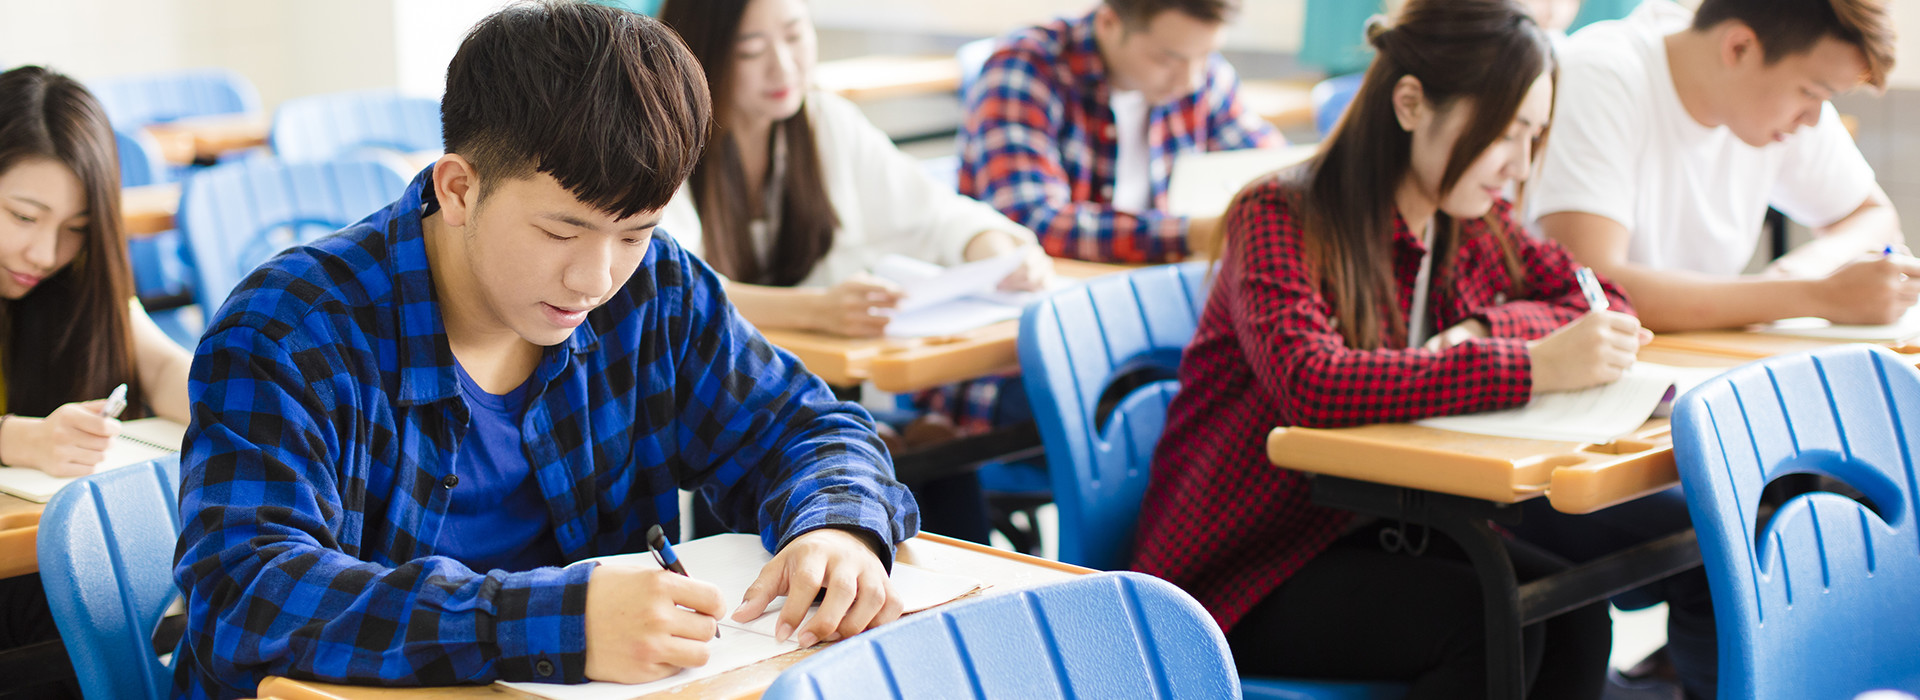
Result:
pixel 1132 182
pixel 1693 198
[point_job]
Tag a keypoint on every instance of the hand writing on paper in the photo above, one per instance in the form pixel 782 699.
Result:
pixel 1871 291
pixel 1461 332
pixel 1593 350
pixel 851 308
pixel 859 595
pixel 71 441
pixel 646 624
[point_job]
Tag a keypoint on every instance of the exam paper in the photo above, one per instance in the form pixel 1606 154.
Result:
pixel 1597 415
pixel 948 300
pixel 1203 184
pixel 139 441
pixel 1908 326
pixel 731 563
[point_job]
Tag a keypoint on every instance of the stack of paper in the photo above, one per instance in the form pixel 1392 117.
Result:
pixel 731 563
pixel 948 300
pixel 139 441
pixel 1203 184
pixel 1597 415
pixel 1908 326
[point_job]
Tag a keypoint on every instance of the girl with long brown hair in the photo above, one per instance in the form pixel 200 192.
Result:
pixel 1385 280
pixel 70 329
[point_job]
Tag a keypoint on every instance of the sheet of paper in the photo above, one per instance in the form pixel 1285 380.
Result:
pixel 1907 327
pixel 139 441
pixel 953 316
pixel 1597 415
pixel 731 563
pixel 927 284
pixel 1203 184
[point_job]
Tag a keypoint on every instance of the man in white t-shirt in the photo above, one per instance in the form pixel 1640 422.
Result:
pixel 1675 131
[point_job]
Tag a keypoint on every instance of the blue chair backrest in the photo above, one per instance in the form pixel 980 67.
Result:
pixel 134 102
pixel 1074 347
pixel 141 162
pixel 1824 599
pixel 1110 636
pixel 1330 100
pixel 106 559
pixel 325 127
pixel 236 216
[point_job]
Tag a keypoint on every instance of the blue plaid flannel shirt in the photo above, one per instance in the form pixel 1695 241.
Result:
pixel 326 414
pixel 1040 145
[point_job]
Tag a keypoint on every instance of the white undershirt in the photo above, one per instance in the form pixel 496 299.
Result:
pixel 1132 184
pixel 1417 321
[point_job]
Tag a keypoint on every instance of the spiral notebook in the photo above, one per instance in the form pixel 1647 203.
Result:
pixel 139 441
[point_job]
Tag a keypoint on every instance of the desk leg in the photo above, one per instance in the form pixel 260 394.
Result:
pixel 1469 522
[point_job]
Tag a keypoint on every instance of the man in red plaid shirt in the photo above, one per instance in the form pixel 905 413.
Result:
pixel 1073 126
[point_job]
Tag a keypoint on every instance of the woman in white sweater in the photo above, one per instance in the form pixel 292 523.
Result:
pixel 799 195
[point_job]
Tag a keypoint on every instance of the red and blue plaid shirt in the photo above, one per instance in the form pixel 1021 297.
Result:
pixel 1039 144
pixel 1222 522
pixel 327 415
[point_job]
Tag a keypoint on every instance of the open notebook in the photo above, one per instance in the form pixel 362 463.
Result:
pixel 1203 184
pixel 731 562
pixel 139 441
pixel 1907 327
pixel 1598 415
pixel 948 300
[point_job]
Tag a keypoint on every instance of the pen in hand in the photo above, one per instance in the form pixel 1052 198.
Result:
pixel 663 554
pixel 1590 286
pixel 116 402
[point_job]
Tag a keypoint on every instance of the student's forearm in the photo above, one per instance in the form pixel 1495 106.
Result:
pixel 1870 228
pixel 168 392
pixel 1674 300
pixel 776 307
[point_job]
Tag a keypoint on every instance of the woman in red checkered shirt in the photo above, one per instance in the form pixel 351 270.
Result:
pixel 1385 280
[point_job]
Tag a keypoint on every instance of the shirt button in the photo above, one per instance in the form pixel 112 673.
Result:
pixel 450 482
pixel 544 667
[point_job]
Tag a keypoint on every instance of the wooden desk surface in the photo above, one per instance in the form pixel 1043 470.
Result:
pixel 145 211
pixel 881 77
pixel 1576 477
pixel 905 365
pixel 1285 104
pixel 186 140
pixel 1753 346
pixel 19 528
pixel 1002 572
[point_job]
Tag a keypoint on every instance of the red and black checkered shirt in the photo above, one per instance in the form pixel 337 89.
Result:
pixel 1221 521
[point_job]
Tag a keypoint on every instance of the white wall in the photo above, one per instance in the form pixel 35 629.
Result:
pixel 1271 25
pixel 1906 18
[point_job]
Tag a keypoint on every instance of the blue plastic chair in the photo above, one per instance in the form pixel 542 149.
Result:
pixel 134 102
pixel 342 125
pixel 106 560
pixel 1100 362
pixel 236 216
pixel 141 162
pixel 1116 635
pixel 1823 600
pixel 1330 100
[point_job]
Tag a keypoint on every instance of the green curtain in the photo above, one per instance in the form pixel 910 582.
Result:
pixel 1596 10
pixel 645 7
pixel 1334 40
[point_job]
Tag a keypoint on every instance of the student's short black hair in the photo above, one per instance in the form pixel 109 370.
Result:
pixel 1139 13
pixel 1788 27
pixel 608 102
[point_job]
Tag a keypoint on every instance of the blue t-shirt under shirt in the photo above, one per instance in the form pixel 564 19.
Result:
pixel 496 518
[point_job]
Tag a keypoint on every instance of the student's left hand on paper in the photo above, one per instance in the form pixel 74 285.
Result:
pixel 1034 274
pixel 859 595
pixel 71 441
pixel 1464 331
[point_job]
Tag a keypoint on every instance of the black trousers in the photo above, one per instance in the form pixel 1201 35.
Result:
pixel 1361 612
pixel 26 621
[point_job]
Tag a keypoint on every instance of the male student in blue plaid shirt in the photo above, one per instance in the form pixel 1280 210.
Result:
pixel 401 430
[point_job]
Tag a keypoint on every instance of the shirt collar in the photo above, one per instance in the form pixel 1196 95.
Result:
pixel 1083 56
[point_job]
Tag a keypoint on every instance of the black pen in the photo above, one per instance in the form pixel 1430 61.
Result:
pixel 663 553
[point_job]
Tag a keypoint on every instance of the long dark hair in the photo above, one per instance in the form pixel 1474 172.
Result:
pixel 1485 52
pixel 719 183
pixel 71 337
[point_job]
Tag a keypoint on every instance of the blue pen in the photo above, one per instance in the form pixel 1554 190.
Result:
pixel 1590 286
pixel 663 554
pixel 1888 253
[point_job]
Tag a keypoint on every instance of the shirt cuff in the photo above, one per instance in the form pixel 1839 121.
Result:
pixel 540 625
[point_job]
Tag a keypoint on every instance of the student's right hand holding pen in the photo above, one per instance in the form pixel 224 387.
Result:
pixel 1870 291
pixel 645 624
pixel 71 441
pixel 1595 349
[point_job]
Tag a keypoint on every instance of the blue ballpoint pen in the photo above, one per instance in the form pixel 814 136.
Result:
pixel 663 554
